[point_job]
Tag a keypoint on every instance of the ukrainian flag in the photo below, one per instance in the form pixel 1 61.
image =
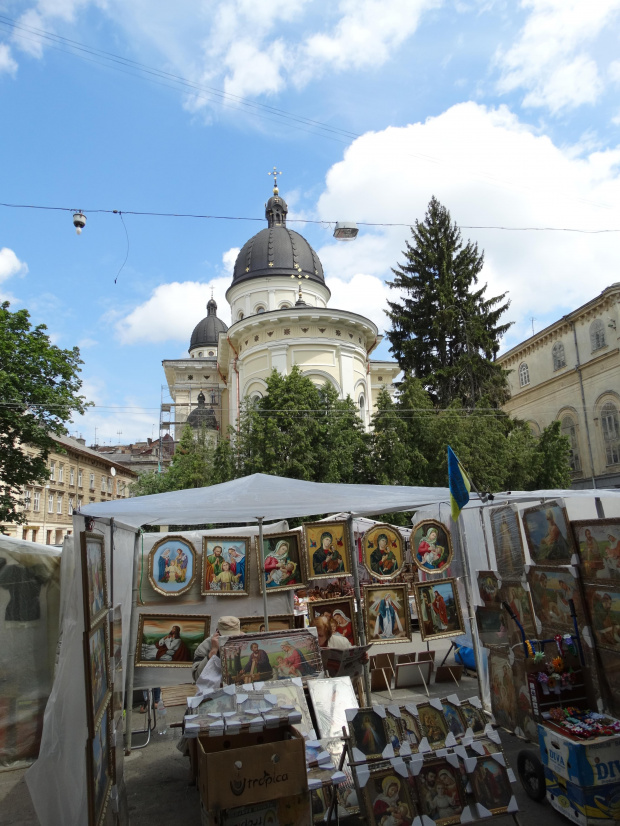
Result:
pixel 458 483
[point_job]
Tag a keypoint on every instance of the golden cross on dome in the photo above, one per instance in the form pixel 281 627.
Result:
pixel 275 174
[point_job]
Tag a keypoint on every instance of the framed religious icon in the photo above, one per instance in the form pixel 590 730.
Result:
pixel 277 622
pixel 472 717
pixel 388 798
pixel 394 731
pixel 224 569
pixel 453 719
pixel 598 543
pixel 273 655
pixel 368 733
pixel 440 792
pixel 97 674
pixel 490 785
pixel 439 609
pixel 340 613
pixel 503 694
pixel 383 551
pixel 170 639
pixel 507 542
pixel 411 727
pixel 386 613
pixel 514 595
pixel 99 769
pixel 432 725
pixel 492 626
pixel 431 546
pixel 549 537
pixel 172 566
pixel 283 569
pixel 604 608
pixel 488 589
pixel 94 581
pixel 525 715
pixel 551 589
pixel 327 549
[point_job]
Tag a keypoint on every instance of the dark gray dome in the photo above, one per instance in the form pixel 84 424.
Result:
pixel 206 332
pixel 202 416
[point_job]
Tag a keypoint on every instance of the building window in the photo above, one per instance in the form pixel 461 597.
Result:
pixel 211 352
pixel 611 433
pixel 59 499
pixel 72 476
pixel 200 354
pixel 285 306
pixel 61 473
pixel 92 481
pixel 50 503
pixel 102 484
pixel 79 502
pixel 52 470
pixel 559 358
pixel 71 506
pixel 109 484
pixel 597 334
pixel 260 309
pixel 36 501
pixel 239 315
pixel 524 375
pixel 569 429
pixel 80 478
pixel 362 406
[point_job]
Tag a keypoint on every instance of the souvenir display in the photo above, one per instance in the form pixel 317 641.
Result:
pixel 290 694
pixel 441 792
pixel 520 603
pixel 388 799
pixel 386 613
pixel 598 543
pixel 551 589
pixel 330 698
pixel 453 719
pixel 116 636
pixel 327 549
pixel 473 717
pixel 604 608
pixel 99 769
pixel 431 546
pixel 433 725
pixel 383 551
pixel 503 699
pixel 549 538
pixel 170 639
pixel 283 562
pixel 439 609
pixel 509 553
pixel 277 622
pixel 98 683
pixel 340 613
pixel 224 569
pixel 94 582
pixel 273 655
pixel 582 724
pixel 367 732
pixel 491 785
pixel 172 566
pixel 410 727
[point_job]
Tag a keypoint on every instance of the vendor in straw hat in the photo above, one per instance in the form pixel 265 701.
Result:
pixel 210 648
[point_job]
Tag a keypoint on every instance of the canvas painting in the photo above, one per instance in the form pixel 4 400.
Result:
pixel 431 546
pixel 432 725
pixel 610 662
pixel 283 563
pixel 170 639
pixel 224 569
pixel 525 716
pixel 507 542
pixel 383 551
pixel 270 656
pixel 453 719
pixel 551 589
pixel 368 733
pixel 503 695
pixel 488 589
pixel 99 770
pixel 97 648
pixel 339 612
pixel 94 581
pixel 291 694
pixel 277 622
pixel 327 549
pixel 330 699
pixel 549 538
pixel 520 603
pixel 598 542
pixel 386 613
pixel 491 785
pixel 388 799
pixel 217 702
pixel 439 609
pixel 492 626
pixel 604 609
pixel 472 717
pixel 394 731
pixel 172 566
pixel 441 793
pixel 411 727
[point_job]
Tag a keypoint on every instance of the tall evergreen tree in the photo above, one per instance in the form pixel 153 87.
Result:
pixel 444 331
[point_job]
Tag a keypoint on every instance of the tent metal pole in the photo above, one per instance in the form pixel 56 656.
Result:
pixel 131 657
pixel 261 570
pixel 358 599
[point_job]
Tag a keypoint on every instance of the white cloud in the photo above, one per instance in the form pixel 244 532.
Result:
pixel 363 294
pixel 228 260
pixel 86 343
pixel 614 71
pixel 7 64
pixel 10 264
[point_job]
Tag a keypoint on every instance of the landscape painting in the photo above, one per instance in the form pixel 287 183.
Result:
pixel 382 550
pixel 224 569
pixel 549 538
pixel 439 610
pixel 172 566
pixel 273 655
pixel 170 639
pixel 327 549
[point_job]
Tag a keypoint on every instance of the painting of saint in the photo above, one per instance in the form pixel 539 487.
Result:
pixel 386 613
pixel 170 639
pixel 520 603
pixel 99 779
pixel 282 556
pixel 389 799
pixel 368 733
pixel 382 549
pixel 327 549
pixel 551 589
pixel 452 718
pixel 339 613
pixel 472 717
pixel 441 793
pixel 432 725
pixel 503 694
pixel 93 578
pixel 224 571
pixel 491 786
pixel 172 566
pixel 439 609
pixel 432 546
pixel 97 674
pixel 604 608
pixel 488 588
pixel 274 655
pixel 507 542
pixel 598 542
pixel 549 538
pixel 411 727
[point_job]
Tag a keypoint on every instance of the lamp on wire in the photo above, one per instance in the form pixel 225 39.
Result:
pixel 79 222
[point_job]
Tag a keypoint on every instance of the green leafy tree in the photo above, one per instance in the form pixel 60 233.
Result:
pixel 39 386
pixel 443 330
pixel 390 460
pixel 342 450
pixel 552 460
pixel 191 466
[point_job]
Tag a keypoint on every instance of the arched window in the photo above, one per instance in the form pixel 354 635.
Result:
pixel 260 309
pixel 239 315
pixel 610 424
pixel 559 357
pixel 524 374
pixel 200 354
pixel 211 352
pixel 285 306
pixel 597 334
pixel 569 429
pixel 362 406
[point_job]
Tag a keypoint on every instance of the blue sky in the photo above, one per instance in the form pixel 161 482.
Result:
pixel 508 112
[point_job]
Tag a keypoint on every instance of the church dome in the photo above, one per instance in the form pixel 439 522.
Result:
pixel 202 416
pixel 207 331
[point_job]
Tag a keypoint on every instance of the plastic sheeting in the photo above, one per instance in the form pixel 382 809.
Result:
pixel 29 610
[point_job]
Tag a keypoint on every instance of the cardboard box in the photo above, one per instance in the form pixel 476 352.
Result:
pixel 586 763
pixel 589 806
pixel 286 811
pixel 251 767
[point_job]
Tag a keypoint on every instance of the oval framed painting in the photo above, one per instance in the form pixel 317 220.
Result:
pixel 172 566
pixel 382 548
pixel 431 546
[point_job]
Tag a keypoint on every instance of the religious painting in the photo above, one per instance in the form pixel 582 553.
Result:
pixel 96 659
pixel 453 719
pixel 277 622
pixel 368 733
pixel 388 799
pixel 410 727
pixel 386 613
pixel 610 662
pixel 488 589
pixel 224 569
pixel 330 699
pixel 439 609
pixel 382 551
pixel 327 549
pixel 94 582
pixel 549 538
pixel 216 702
pixel 283 563
pixel 507 541
pixel 491 785
pixel 514 595
pixel 432 725
pixel 431 546
pixel 394 731
pixel 172 566
pixel 473 717
pixel 291 695
pixel 441 792
pixel 118 696
pixel 598 543
pixel 170 639
pixel 551 589
pixel 492 626
pixel 525 715
pixel 273 655
pixel 339 612
pixel 503 695
pixel 116 636
pixel 604 608
pixel 99 769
